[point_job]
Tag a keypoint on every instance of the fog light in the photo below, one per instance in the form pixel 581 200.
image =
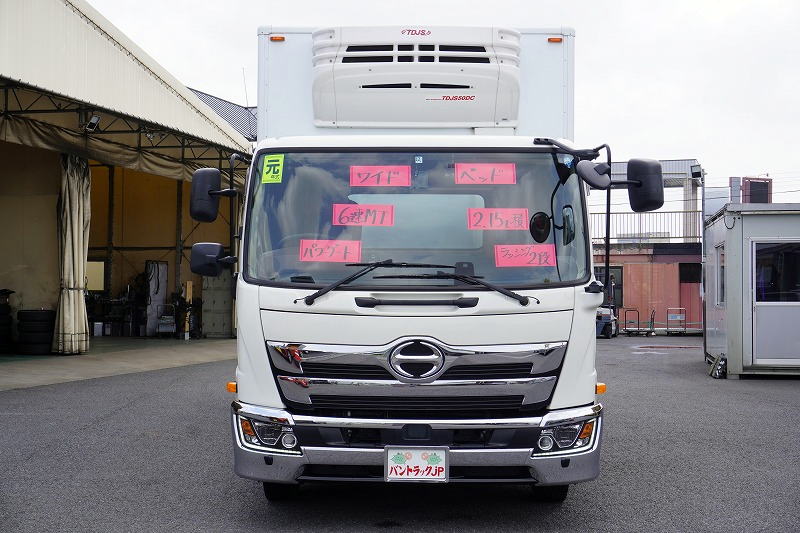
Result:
pixel 566 435
pixel 288 440
pixel 546 443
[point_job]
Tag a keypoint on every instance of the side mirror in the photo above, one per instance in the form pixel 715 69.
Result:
pixel 208 259
pixel 593 173
pixel 568 220
pixel 204 206
pixel 649 193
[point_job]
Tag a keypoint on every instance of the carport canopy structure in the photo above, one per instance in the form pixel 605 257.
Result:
pixel 72 82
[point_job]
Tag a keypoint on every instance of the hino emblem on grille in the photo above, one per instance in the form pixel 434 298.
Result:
pixel 416 360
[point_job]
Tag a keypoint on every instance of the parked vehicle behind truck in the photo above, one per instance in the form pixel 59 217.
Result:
pixel 415 297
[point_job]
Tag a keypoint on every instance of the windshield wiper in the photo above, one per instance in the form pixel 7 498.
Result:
pixel 523 300
pixel 368 267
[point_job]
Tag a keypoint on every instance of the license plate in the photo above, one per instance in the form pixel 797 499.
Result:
pixel 416 464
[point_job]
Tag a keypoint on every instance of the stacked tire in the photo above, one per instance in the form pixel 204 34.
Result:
pixel 5 328
pixel 35 331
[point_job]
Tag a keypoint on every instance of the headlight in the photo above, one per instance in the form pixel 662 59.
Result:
pixel 568 438
pixel 268 435
pixel 567 435
pixel 267 432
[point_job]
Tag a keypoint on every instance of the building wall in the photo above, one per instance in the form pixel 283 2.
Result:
pixel 693 302
pixel 715 327
pixel 651 286
pixel 145 208
pixel 30 182
pixel 652 282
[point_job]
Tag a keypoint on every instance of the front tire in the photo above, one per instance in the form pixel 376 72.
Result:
pixel 280 492
pixel 550 494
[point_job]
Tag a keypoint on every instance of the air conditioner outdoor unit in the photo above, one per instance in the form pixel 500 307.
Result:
pixel 399 77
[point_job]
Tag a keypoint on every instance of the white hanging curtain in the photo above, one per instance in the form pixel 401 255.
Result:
pixel 72 325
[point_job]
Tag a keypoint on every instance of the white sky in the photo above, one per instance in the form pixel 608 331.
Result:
pixel 718 81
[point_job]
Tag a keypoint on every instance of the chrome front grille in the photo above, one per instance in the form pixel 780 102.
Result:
pixel 333 370
pixel 496 371
pixel 342 380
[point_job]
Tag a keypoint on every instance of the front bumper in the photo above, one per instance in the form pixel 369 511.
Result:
pixel 345 463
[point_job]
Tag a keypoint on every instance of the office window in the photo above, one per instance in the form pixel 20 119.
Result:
pixel 777 272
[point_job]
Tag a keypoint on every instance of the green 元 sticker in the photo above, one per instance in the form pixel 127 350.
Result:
pixel 273 169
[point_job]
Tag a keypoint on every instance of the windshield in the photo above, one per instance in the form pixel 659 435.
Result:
pixel 312 213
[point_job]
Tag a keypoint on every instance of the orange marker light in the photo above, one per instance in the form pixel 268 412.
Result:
pixel 587 430
pixel 231 386
pixel 277 38
pixel 600 388
pixel 247 427
pixel 554 39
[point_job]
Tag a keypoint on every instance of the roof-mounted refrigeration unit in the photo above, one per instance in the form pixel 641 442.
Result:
pixel 403 78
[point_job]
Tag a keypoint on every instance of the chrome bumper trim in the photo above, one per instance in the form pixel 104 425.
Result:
pixel 553 470
pixel 374 456
pixel 267 414
pixel 551 418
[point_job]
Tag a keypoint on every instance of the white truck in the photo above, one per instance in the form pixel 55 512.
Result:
pixel 415 298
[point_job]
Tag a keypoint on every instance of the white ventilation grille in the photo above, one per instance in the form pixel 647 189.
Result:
pixel 421 77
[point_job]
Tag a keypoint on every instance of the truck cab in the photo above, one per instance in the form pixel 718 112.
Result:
pixel 415 298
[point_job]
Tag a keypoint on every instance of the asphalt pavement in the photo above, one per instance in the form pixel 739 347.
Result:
pixel 150 451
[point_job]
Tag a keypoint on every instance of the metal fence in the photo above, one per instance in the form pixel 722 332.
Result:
pixel 645 228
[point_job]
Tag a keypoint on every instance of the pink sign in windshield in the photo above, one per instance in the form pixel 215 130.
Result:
pixel 486 173
pixel 330 251
pixel 499 218
pixel 380 176
pixel 363 215
pixel 524 255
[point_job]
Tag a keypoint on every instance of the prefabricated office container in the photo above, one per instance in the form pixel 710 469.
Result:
pixel 752 288
pixel 397 80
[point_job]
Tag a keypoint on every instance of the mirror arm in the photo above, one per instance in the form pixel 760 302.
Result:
pixel 592 153
pixel 607 261
pixel 228 260
pixel 231 197
pixel 229 193
pixel 625 184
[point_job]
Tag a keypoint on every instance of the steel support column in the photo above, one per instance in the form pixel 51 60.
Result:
pixel 178 235
pixel 109 266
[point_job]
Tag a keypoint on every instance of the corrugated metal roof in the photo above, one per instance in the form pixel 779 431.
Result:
pixel 240 117
pixel 67 48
